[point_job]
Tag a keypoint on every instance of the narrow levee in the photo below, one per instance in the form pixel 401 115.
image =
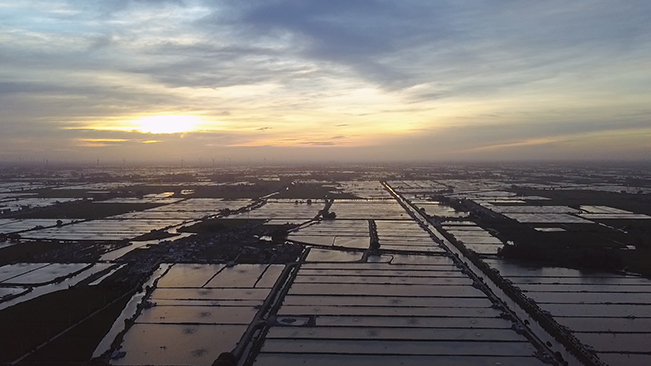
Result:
pixel 555 338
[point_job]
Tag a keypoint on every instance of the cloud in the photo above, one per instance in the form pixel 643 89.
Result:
pixel 318 143
pixel 486 75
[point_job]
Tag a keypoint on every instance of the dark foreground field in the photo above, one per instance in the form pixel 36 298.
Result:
pixel 79 317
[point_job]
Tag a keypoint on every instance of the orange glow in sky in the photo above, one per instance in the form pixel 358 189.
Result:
pixel 168 124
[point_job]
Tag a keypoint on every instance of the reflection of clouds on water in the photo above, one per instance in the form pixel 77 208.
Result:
pixel 199 352
pixel 608 311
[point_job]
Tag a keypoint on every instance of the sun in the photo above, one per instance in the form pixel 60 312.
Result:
pixel 168 124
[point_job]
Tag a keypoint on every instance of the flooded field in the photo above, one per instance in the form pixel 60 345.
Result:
pixel 160 199
pixel 405 235
pixel 542 218
pixel 128 312
pixel 30 274
pixel 188 209
pixel 178 344
pixel 369 274
pixel 423 311
pixel 343 233
pixel 286 209
pixel 39 277
pixel 325 255
pixel 13 270
pixel 608 312
pixel 417 188
pixel 536 214
pixel 433 208
pixel 6 292
pixel 474 237
pixel 18 204
pixel 198 312
pixel 365 189
pixel 14 225
pixel 605 212
pixel 387 209
pixel 117 229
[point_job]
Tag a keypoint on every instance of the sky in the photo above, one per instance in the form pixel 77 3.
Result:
pixel 315 80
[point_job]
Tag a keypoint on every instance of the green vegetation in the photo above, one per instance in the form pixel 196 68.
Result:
pixel 25 252
pixel 587 245
pixel 604 245
pixel 579 246
pixel 78 344
pixel 26 325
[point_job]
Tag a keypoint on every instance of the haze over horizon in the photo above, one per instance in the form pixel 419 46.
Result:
pixel 325 80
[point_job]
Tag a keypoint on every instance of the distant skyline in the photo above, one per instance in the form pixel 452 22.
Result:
pixel 314 80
